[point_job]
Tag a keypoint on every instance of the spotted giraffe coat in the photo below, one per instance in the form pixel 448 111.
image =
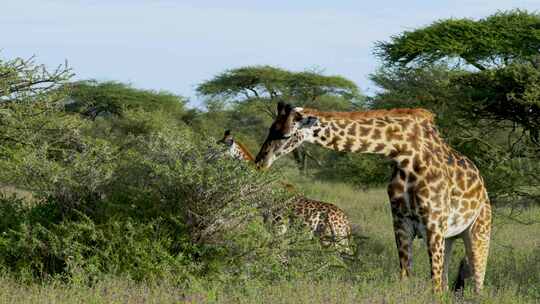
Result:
pixel 435 191
pixel 324 220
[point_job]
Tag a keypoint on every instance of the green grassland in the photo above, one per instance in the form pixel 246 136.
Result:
pixel 513 274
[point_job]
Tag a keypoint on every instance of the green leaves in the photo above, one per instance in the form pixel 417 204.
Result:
pixel 490 42
pixel 92 99
pixel 270 83
pixel 492 113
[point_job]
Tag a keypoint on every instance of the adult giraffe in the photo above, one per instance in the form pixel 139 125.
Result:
pixel 435 191
pixel 325 220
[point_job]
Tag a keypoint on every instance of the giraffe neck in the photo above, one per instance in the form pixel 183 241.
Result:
pixel 394 134
pixel 240 151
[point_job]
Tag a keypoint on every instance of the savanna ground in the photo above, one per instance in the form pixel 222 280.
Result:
pixel 513 273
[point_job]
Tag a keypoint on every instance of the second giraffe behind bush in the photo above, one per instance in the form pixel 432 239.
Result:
pixel 324 220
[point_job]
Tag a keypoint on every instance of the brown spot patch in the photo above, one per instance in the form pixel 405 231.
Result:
pixel 398 187
pixel 327 132
pixel 393 133
pixel 376 134
pixel 364 131
pixel 364 146
pixel 352 129
pixel 379 147
pixel 434 215
pixel 423 192
pixel 365 121
pixel 427 157
pixel 334 143
pixel 349 143
pixel 404 123
pixel 472 177
pixel 417 165
pixel 414 137
pixel 474 192
pixel 404 163
pixel 403 150
pixel 460 179
pixel 433 176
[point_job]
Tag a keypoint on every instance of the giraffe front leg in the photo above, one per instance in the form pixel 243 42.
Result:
pixel 404 237
pixel 403 228
pixel 436 245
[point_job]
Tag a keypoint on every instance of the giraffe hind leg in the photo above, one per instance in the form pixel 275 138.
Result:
pixel 476 240
pixel 436 243
pixel 463 273
pixel 448 244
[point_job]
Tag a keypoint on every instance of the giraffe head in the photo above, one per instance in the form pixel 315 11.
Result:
pixel 227 139
pixel 288 131
pixel 235 149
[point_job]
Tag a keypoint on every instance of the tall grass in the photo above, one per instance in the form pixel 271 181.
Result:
pixel 513 274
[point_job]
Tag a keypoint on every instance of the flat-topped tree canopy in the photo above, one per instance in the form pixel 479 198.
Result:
pixel 269 84
pixel 92 98
pixel 505 49
pixel 496 40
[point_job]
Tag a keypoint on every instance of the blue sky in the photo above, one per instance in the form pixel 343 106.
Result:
pixel 175 45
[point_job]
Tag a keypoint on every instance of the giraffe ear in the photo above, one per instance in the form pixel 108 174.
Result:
pixel 280 107
pixel 308 122
pixel 227 138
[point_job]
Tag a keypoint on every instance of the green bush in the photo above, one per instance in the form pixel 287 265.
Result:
pixel 163 202
pixel 357 169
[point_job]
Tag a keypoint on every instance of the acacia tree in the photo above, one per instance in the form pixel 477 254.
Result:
pixel 482 77
pixel 504 47
pixel 261 87
pixel 92 98
pixel 267 85
pixel 495 41
pixel 22 79
pixel 30 103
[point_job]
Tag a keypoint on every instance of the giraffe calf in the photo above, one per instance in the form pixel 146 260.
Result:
pixel 324 220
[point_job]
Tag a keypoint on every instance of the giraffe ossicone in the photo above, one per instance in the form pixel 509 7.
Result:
pixel 435 191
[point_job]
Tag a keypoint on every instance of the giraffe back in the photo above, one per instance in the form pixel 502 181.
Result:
pixel 324 220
